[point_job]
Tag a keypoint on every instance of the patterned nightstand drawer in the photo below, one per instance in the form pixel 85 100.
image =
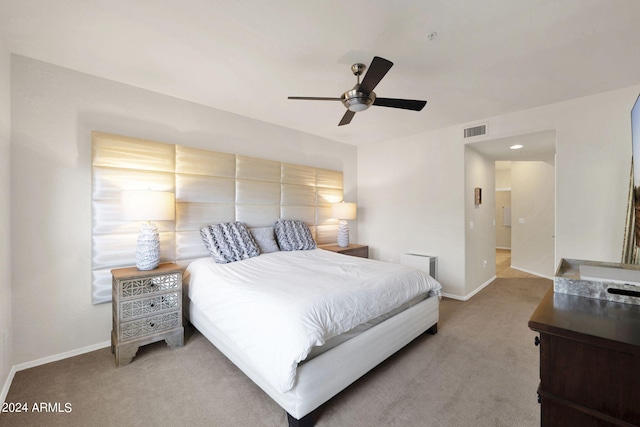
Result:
pixel 149 325
pixel 149 285
pixel 141 307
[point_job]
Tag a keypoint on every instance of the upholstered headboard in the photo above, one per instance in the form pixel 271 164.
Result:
pixel 210 187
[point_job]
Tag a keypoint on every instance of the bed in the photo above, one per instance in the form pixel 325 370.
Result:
pixel 304 324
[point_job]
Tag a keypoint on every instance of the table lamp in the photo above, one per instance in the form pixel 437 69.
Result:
pixel 343 211
pixel 147 205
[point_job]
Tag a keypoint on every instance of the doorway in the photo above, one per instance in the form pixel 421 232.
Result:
pixel 529 179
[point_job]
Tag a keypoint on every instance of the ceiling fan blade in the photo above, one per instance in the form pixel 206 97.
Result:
pixel 377 70
pixel 313 98
pixel 405 104
pixel 346 119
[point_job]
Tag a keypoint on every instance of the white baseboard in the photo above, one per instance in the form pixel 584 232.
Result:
pixel 467 297
pixel 48 359
pixel 7 384
pixel 531 272
pixel 502 247
pixel 61 356
pixel 453 296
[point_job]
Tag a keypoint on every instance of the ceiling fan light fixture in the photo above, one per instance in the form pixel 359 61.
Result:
pixel 356 104
pixel 356 101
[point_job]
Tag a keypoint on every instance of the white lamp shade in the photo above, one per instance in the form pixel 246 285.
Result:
pixel 343 210
pixel 148 205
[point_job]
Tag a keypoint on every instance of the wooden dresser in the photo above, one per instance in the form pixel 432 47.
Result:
pixel 589 361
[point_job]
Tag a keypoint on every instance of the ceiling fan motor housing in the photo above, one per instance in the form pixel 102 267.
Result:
pixel 355 100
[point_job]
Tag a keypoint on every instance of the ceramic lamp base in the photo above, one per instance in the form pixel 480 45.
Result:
pixel 148 249
pixel 343 234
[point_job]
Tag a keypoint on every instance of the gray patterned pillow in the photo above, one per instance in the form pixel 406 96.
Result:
pixel 294 235
pixel 229 242
pixel 265 238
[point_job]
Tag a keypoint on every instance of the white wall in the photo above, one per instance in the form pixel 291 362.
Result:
pixel 480 234
pixel 503 198
pixel 413 188
pixel 503 178
pixel 532 196
pixel 503 232
pixel 53 112
pixel 5 226
pixel 411 199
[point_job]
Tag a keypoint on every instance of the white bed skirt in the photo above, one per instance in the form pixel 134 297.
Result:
pixel 321 378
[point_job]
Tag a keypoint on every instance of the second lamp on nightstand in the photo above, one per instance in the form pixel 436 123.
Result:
pixel 343 211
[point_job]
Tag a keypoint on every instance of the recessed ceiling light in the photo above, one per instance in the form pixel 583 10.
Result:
pixel 432 35
pixel 516 147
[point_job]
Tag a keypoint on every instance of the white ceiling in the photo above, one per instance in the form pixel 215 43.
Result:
pixel 489 57
pixel 537 146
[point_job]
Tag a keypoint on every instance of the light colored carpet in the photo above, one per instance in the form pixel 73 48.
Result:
pixel 503 266
pixel 480 369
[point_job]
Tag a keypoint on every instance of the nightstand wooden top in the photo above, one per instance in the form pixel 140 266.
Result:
pixel 335 248
pixel 353 249
pixel 130 272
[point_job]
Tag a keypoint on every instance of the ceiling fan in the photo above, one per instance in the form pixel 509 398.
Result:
pixel 362 95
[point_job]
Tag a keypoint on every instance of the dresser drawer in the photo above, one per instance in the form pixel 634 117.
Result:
pixel 134 288
pixel 131 309
pixel 149 325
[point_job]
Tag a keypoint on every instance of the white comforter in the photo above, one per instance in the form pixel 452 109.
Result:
pixel 277 306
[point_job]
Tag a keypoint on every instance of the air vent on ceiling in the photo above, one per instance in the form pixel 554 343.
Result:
pixel 475 131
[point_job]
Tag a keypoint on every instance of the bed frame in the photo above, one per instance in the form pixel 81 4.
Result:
pixel 321 378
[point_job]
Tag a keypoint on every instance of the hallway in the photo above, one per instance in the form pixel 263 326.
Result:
pixel 503 266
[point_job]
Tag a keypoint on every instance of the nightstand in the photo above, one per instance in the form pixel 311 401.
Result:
pixel 147 307
pixel 361 251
